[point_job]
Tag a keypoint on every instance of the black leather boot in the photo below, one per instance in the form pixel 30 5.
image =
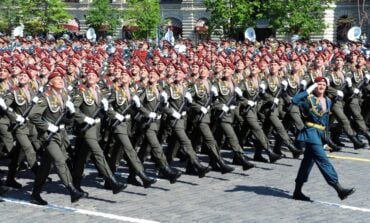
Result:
pixel 3 189
pixel 75 194
pixel 116 186
pixel 36 197
pixel 170 173
pixel 202 170
pixel 343 193
pixel 190 169
pixel 77 184
pixel 367 135
pixel 224 167
pixel 300 146
pixel 273 157
pixel 147 181
pixel 357 144
pixel 13 183
pixel 131 179
pixel 298 195
pixel 295 151
pixel 242 160
pixel 258 156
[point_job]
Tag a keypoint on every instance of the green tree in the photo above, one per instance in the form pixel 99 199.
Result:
pixel 9 15
pixel 145 14
pixel 103 17
pixel 43 16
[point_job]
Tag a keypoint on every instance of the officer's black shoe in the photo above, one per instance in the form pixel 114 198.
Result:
pixel 36 199
pixel 293 149
pixel 171 174
pixel 3 189
pixel 357 144
pixel 260 158
pixel 77 185
pixel 116 186
pixel 298 195
pixel 337 141
pixel 215 167
pixel 191 170
pixel 273 157
pixel 343 193
pixel 147 181
pixel 131 179
pixel 243 161
pixel 75 194
pixel 13 183
pixel 107 185
pixel 224 168
pixel 202 170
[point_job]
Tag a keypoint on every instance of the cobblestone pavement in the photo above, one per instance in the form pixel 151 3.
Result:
pixel 262 194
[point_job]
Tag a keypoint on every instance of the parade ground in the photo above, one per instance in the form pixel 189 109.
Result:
pixel 262 194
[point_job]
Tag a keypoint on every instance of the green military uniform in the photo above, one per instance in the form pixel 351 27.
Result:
pixel 5 136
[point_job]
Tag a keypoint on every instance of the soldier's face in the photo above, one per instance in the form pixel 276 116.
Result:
pixel 4 74
pixel 125 77
pixel 153 77
pixel 57 83
pixel 321 87
pixel 92 79
pixel 339 62
pixel 23 78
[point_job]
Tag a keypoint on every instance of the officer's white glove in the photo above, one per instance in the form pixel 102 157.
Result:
pixel 356 91
pixel 35 99
pixel 19 119
pixel 340 93
pixel 70 87
pixel 183 113
pixel 53 128
pixel 3 104
pixel 232 107
pixel 214 91
pixel 238 91
pixel 97 120
pixel 367 78
pixel 303 84
pixel 41 89
pixel 327 81
pixel 349 81
pixel 204 110
pixel 127 117
pixel 136 100
pixel 105 103
pixel 176 115
pixel 225 108
pixel 152 115
pixel 119 117
pixel 276 101
pixel 251 103
pixel 70 106
pixel 263 88
pixel 164 95
pixel 311 88
pixel 188 97
pixel 284 83
pixel 89 120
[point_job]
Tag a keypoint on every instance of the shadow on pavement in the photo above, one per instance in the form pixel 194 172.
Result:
pixel 262 190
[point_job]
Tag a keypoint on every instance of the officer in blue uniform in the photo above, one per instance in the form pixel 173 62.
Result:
pixel 315 110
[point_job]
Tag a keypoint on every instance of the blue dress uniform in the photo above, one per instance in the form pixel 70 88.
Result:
pixel 316 118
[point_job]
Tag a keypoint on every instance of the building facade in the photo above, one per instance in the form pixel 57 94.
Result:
pixel 188 17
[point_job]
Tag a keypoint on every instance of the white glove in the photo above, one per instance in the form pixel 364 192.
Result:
pixel 356 91
pixel 204 110
pixel 214 91
pixel 164 95
pixel 70 87
pixel 97 120
pixel 327 81
pixel 367 78
pixel 263 88
pixel 232 107
pixel 127 117
pixel 303 84
pixel 152 115
pixel 284 83
pixel 3 104
pixel 136 100
pixel 340 93
pixel 104 101
pixel 41 89
pixel 251 103
pixel 176 115
pixel 311 88
pixel 188 97
pixel 276 101
pixel 35 99
pixel 19 119
pixel 225 108
pixel 238 91
pixel 349 81
pixel 53 128
pixel 119 117
pixel 70 106
pixel 89 120
pixel 183 113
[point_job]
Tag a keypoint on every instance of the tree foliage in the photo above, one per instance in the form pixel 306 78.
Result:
pixel 145 14
pixel 102 14
pixel 301 17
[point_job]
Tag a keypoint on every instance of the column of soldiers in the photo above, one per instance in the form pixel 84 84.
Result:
pixel 129 103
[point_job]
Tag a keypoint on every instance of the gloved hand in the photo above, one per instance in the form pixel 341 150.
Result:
pixel 70 106
pixel 105 103
pixel 35 99
pixel 225 108
pixel 127 117
pixel 136 100
pixel 311 88
pixel 349 82
pixel 232 107
pixel 188 97
pixel 204 110
pixel 152 115
pixel 89 120
pixel 97 120
pixel 284 84
pixel 276 101
pixel 303 84
pixel 214 91
pixel 340 93
pixel 20 119
pixel 176 115
pixel 164 95
pixel 3 104
pixel 356 91
pixel 119 117
pixel 251 103
pixel 41 89
pixel 53 128
pixel 263 88
pixel 367 78
pixel 238 91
